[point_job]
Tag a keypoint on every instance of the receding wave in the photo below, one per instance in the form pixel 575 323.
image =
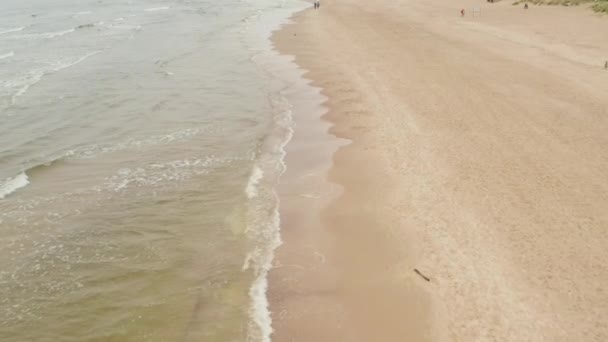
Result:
pixel 7 55
pixel 11 30
pixel 23 83
pixel 12 184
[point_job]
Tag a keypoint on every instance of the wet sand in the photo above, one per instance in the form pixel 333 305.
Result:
pixel 478 155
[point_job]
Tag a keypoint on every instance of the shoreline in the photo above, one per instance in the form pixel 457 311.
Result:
pixel 449 175
pixel 316 277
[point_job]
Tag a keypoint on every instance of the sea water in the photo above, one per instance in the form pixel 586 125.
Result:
pixel 141 143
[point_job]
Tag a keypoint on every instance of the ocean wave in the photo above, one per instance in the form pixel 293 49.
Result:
pixel 23 83
pixel 92 151
pixel 154 9
pixel 125 27
pixel 11 30
pixel 57 33
pixel 7 55
pixel 159 173
pixel 39 167
pixel 36 169
pixel 48 35
pixel 256 176
pixel 260 328
pixel 77 14
pixel 12 184
pixel 142 180
pixel 263 220
pixel 263 226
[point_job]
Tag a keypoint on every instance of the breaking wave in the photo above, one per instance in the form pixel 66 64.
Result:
pixel 256 175
pixel 23 82
pixel 12 184
pixel 154 9
pixel 50 34
pixel 7 55
pixel 11 30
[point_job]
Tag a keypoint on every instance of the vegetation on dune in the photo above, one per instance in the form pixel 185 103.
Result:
pixel 600 6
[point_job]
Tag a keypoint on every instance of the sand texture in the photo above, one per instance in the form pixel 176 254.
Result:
pixel 479 156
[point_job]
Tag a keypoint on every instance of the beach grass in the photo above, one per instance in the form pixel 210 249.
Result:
pixel 600 6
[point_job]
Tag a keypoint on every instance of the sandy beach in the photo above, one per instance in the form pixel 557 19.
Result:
pixel 472 149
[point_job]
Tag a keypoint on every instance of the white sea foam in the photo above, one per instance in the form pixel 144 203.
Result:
pixel 157 174
pixel 154 9
pixel 260 328
pixel 82 13
pixel 7 55
pixel 264 235
pixel 55 33
pixel 259 310
pixel 23 83
pixel 126 27
pixel 134 143
pixel 48 35
pixel 11 30
pixel 254 179
pixel 10 185
pixel 263 231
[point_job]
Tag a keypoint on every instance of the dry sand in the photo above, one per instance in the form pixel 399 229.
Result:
pixel 479 156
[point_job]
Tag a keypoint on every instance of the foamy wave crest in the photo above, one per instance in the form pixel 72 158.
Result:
pixel 10 185
pixel 52 34
pixel 11 30
pixel 161 173
pixel 7 55
pixel 178 170
pixel 256 175
pixel 93 150
pixel 78 14
pixel 154 9
pixel 260 326
pixel 23 83
pixel 126 27
pixel 263 229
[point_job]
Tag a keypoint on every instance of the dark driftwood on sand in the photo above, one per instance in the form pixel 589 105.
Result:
pixel 422 275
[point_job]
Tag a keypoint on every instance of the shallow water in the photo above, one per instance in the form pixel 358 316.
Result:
pixel 140 146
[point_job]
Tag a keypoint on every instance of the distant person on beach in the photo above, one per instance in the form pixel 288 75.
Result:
pixel 462 12
pixel 526 6
pixel 317 4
